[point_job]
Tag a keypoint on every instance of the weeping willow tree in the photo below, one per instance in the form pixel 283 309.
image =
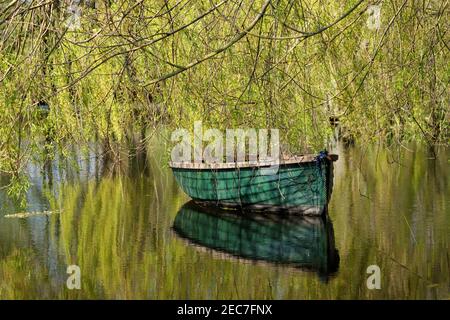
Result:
pixel 72 72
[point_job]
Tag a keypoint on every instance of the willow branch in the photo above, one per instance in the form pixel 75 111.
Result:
pixel 228 45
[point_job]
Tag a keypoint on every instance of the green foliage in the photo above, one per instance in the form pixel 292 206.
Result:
pixel 130 69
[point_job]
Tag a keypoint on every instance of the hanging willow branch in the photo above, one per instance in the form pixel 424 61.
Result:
pixel 228 45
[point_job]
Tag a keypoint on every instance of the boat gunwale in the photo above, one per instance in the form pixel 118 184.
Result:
pixel 248 164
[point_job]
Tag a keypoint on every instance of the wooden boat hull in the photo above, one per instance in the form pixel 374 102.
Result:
pixel 302 242
pixel 303 187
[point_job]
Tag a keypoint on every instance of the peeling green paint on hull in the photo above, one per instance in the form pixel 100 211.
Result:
pixel 301 187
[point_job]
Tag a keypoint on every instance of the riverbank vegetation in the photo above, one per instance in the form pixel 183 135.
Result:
pixel 113 73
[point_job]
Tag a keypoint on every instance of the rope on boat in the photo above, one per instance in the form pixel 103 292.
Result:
pixel 320 157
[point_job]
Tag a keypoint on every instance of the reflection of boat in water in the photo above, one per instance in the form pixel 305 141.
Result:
pixel 302 242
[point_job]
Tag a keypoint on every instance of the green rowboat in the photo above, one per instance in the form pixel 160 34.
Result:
pixel 306 243
pixel 301 184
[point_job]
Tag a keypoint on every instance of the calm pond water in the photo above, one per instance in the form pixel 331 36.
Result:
pixel 135 236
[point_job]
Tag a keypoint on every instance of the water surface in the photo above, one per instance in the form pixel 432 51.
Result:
pixel 135 237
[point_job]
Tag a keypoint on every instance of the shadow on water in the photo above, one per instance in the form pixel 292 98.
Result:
pixel 306 243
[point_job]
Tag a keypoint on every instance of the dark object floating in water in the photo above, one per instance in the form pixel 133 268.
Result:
pixel 302 184
pixel 306 243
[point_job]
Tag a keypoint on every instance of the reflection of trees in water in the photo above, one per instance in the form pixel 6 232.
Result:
pixel 389 208
pixel 51 242
pixel 118 230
